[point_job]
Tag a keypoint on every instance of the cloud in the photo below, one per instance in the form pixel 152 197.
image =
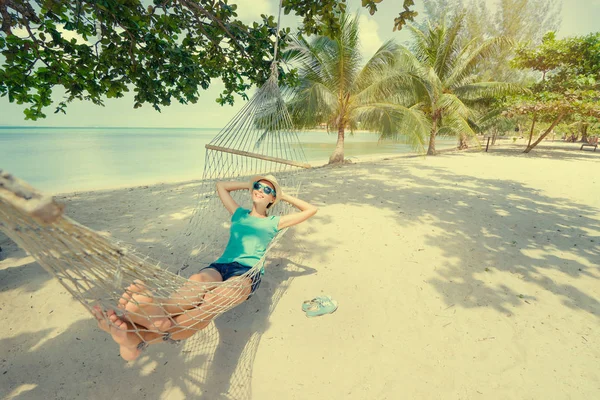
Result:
pixel 250 10
pixel 369 38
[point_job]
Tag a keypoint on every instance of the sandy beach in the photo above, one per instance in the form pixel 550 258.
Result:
pixel 468 275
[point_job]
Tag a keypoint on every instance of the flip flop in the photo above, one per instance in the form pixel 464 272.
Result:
pixel 324 305
pixel 308 304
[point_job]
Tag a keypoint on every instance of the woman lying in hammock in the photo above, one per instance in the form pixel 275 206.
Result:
pixel 148 320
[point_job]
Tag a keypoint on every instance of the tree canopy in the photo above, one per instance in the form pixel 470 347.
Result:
pixel 521 21
pixel 445 82
pixel 164 50
pixel 570 84
pixel 341 90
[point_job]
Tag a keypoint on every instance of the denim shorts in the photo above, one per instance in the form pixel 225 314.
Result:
pixel 229 270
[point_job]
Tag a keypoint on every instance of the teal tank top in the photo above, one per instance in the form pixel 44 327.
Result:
pixel 249 237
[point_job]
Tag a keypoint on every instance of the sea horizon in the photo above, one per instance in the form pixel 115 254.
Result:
pixel 59 160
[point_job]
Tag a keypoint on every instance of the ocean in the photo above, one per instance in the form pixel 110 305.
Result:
pixel 67 159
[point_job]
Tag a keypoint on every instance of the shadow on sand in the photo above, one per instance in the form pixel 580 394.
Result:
pixel 216 363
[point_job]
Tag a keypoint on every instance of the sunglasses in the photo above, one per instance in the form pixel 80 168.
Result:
pixel 266 189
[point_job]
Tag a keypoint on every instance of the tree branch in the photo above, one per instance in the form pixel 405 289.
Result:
pixel 199 7
pixel 554 123
pixel 6 19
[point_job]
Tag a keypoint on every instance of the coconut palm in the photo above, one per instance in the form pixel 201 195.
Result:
pixel 445 78
pixel 339 90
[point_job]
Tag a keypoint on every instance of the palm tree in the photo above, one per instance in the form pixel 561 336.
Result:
pixel 445 74
pixel 338 90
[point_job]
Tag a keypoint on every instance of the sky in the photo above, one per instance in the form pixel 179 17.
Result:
pixel 579 17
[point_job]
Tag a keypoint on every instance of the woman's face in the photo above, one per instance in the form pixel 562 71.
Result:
pixel 263 192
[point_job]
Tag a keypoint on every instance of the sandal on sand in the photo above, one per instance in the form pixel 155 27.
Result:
pixel 308 304
pixel 321 306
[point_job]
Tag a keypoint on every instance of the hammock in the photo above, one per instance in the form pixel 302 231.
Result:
pixel 97 271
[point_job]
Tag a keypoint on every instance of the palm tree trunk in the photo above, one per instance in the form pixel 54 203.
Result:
pixel 338 153
pixel 431 150
pixel 584 132
pixel 542 136
pixel 462 142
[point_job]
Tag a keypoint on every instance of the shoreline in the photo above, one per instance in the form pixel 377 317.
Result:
pixel 314 165
pixel 501 143
pixel 83 170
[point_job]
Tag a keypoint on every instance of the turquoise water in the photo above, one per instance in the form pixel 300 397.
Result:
pixel 59 160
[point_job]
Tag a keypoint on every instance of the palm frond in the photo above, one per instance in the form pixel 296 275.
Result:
pixel 487 90
pixel 312 106
pixel 454 125
pixel 420 44
pixel 448 47
pixel 399 86
pixel 491 118
pixel 453 106
pixel 394 121
pixel 434 86
pixel 469 61
pixel 311 59
pixel 381 63
pixel 345 58
pixel 407 61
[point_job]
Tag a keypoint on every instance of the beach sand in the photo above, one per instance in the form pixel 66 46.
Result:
pixel 469 275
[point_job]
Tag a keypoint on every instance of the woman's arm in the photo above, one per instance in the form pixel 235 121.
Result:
pixel 307 210
pixel 223 189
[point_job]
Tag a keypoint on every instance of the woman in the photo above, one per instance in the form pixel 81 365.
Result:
pixel 196 304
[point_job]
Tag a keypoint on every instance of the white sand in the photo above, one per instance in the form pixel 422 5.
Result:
pixel 463 276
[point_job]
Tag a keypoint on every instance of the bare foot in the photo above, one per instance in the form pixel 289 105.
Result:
pixel 109 322
pixel 101 318
pixel 129 353
pixel 128 341
pixel 119 332
pixel 140 308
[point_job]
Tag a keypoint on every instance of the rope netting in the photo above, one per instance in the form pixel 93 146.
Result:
pixel 157 301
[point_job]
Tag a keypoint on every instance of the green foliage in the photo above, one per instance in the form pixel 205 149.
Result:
pixel 570 63
pixel 569 89
pixel 445 82
pixel 166 51
pixel 406 15
pixel 318 16
pixel 549 106
pixel 521 21
pixel 570 85
pixel 337 88
pixel 548 56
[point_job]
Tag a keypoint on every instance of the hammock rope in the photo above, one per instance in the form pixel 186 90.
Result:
pixel 101 272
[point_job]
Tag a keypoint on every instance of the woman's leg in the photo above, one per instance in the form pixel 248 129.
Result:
pixel 155 313
pixel 192 292
pixel 186 324
pixel 215 302
pixel 141 308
